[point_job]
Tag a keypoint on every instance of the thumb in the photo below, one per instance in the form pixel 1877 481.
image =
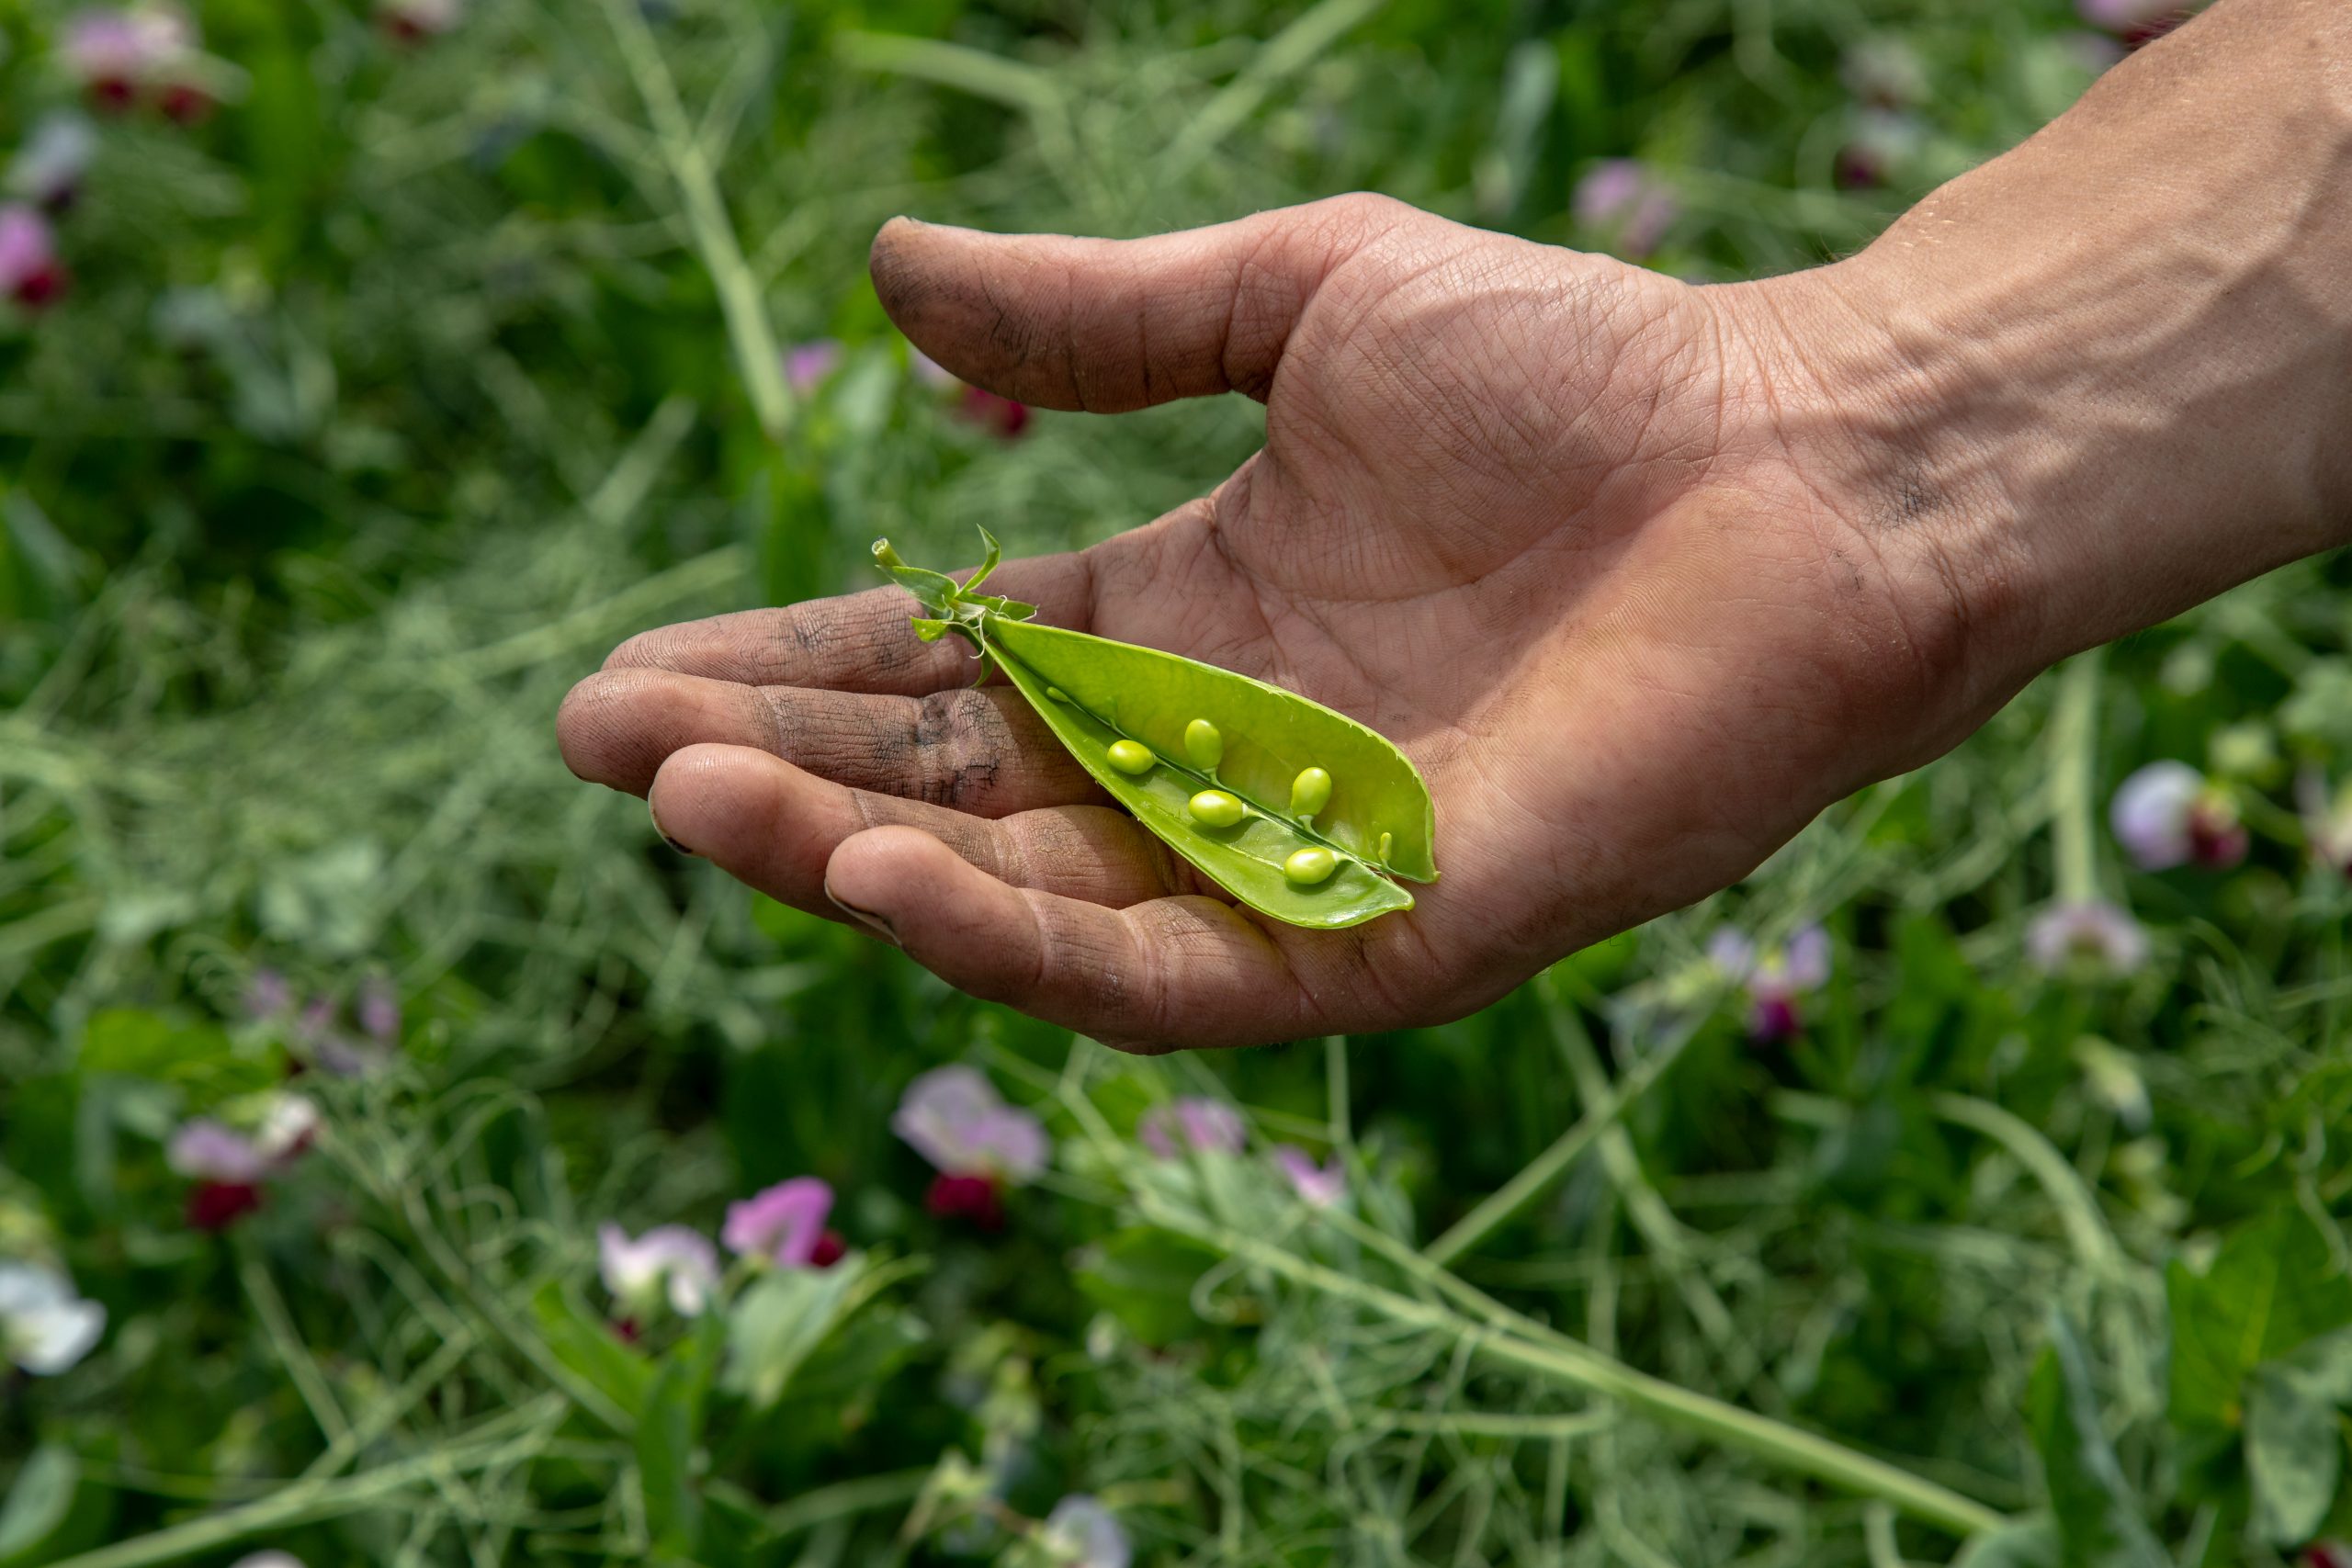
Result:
pixel 1111 326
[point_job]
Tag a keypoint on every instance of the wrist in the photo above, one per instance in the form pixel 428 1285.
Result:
pixel 2109 375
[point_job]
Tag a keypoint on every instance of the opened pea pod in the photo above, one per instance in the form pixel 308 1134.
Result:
pixel 1300 812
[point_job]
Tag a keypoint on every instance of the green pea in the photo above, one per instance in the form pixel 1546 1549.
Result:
pixel 1279 836
pixel 1311 865
pixel 1217 808
pixel 1309 792
pixel 1205 745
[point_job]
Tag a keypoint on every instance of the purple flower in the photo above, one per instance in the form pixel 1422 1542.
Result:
pixel 214 1151
pixel 2091 938
pixel 379 1011
pixel 267 994
pixel 45 1325
pixel 1319 1186
pixel 2167 815
pixel 807 365
pixel 1206 1126
pixel 1773 980
pixel 1620 198
pixel 1082 1533
pixel 954 1119
pixel 31 272
pixel 667 1262
pixel 48 169
pixel 1883 142
pixel 782 1223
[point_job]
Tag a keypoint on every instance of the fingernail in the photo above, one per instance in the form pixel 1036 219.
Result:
pixel 664 832
pixel 868 918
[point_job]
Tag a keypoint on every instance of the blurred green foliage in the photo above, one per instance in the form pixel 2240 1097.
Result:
pixel 392 394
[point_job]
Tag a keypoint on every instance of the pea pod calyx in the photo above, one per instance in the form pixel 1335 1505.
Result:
pixel 1297 810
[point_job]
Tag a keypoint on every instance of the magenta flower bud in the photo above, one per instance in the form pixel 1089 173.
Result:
pixel 2135 22
pixel 784 1223
pixel 1205 1126
pixel 1774 980
pixel 2094 939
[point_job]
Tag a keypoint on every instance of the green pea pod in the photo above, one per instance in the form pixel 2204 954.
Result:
pixel 1299 812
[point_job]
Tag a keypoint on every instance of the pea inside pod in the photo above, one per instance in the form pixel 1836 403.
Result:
pixel 1300 812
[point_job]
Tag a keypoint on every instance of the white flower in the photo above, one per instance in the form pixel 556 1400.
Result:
pixel 2094 936
pixel 48 167
pixel 1082 1533
pixel 44 1326
pixel 666 1260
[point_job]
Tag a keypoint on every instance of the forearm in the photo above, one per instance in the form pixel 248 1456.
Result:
pixel 2110 373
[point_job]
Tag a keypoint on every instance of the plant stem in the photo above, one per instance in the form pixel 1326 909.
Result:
pixel 1564 1360
pixel 2074 737
pixel 1498 1207
pixel 493 1443
pixel 757 356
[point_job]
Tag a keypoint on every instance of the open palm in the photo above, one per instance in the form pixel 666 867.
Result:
pixel 1589 544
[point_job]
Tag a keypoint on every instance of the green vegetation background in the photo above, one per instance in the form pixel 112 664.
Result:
pixel 389 398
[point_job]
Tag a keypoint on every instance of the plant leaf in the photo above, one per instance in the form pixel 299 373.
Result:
pixel 2273 1286
pixel 2294 1453
pixel 2098 1520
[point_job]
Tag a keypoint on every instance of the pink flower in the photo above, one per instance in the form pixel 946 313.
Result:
pixel 1206 1126
pixel 955 1120
pixel 2093 939
pixel 806 365
pixel 1620 198
pixel 114 53
pixel 31 272
pixel 993 411
pixel 784 1223
pixel 1319 1186
pixel 667 1262
pixel 2327 1554
pixel 2167 815
pixel 1883 142
pixel 1774 980
pixel 1082 1533
pixel 229 1166
pixel 48 169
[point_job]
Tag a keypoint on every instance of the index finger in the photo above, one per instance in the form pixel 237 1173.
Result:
pixel 855 642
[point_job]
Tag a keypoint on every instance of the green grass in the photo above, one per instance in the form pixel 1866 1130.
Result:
pixel 390 398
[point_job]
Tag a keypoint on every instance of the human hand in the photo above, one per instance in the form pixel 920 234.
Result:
pixel 1642 575
pixel 1576 535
